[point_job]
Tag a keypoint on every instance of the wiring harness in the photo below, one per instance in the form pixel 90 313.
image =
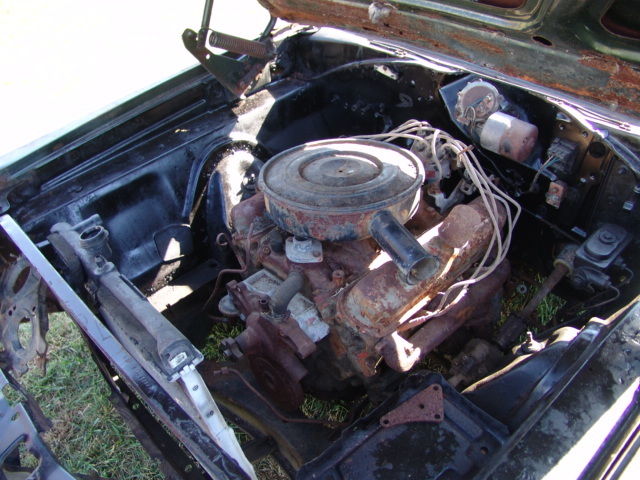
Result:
pixel 493 198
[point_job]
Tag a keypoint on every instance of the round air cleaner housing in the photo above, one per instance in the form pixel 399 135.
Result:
pixel 331 189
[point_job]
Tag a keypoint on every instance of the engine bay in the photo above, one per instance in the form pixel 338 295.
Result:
pixel 355 232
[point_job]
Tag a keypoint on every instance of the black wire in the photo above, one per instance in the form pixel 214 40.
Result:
pixel 497 170
pixel 616 295
pixel 582 315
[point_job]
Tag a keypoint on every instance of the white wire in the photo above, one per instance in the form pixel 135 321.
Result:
pixel 493 198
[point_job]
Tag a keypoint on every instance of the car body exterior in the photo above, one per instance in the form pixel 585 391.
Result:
pixel 113 220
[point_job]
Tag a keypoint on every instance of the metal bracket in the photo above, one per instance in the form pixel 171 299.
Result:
pixel 18 429
pixel 22 299
pixel 214 421
pixel 426 406
pixel 236 75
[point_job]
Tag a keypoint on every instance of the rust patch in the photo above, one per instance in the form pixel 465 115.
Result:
pixel 600 62
pixel 618 90
pixel 629 100
pixel 349 17
pixel 378 301
pixel 484 45
pixel 627 75
pixel 621 72
pixel 472 309
pixel 426 406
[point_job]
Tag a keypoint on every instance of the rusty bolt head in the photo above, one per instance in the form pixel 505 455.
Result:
pixel 338 277
pixel 265 250
pixel 231 349
pixel 264 304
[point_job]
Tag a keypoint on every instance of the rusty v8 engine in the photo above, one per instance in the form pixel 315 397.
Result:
pixel 383 268
pixel 347 267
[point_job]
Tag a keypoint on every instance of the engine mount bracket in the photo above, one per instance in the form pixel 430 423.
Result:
pixel 426 406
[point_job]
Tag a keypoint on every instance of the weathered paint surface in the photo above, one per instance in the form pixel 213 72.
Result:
pixel 535 43
pixel 378 302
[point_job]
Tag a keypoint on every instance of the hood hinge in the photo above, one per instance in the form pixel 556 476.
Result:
pixel 235 74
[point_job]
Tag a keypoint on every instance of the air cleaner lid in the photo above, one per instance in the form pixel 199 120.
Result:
pixel 342 175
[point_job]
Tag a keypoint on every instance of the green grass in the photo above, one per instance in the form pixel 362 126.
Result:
pixel 268 469
pixel 333 411
pixel 545 312
pixel 88 436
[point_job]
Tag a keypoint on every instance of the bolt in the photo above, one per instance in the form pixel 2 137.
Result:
pixel 316 254
pixel 265 250
pixel 636 189
pixel 194 388
pixel 530 345
pixel 264 304
pixel 231 349
pixel 607 237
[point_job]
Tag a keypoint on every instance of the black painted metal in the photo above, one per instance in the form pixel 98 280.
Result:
pixel 454 448
pixel 511 393
pixel 591 396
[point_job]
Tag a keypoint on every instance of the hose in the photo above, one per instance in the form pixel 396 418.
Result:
pixel 285 292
